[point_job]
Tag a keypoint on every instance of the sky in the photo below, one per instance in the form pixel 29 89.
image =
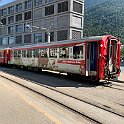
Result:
pixel 2 2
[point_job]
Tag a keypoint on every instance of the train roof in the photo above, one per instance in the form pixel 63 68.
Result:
pixel 65 42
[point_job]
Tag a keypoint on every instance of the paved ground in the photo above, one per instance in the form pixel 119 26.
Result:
pixel 21 106
pixel 14 110
pixel 122 74
pixel 82 90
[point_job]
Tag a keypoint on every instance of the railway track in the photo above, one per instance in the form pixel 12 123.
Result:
pixel 71 109
pixel 115 85
pixel 65 94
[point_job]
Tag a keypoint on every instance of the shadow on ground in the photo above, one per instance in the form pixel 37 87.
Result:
pixel 50 79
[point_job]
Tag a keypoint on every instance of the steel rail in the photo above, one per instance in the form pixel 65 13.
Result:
pixel 106 108
pixel 69 108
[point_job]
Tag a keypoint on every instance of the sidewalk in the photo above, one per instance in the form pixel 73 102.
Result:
pixel 121 78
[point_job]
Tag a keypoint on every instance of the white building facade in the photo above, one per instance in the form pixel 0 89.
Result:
pixel 64 16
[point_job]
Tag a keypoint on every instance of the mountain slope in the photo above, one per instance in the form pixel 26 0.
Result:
pixel 91 3
pixel 105 18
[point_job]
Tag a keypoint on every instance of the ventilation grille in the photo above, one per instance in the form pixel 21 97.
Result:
pixel 18 39
pixel 62 35
pixel 76 34
pixel 77 7
pixel 27 38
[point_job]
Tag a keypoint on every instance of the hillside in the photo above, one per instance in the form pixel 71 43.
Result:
pixel 91 3
pixel 105 18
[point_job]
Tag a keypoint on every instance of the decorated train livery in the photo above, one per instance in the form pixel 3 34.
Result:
pixel 94 58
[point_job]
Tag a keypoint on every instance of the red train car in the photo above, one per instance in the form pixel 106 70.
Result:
pixel 2 56
pixel 93 58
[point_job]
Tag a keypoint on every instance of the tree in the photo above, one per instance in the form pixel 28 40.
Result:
pixel 122 51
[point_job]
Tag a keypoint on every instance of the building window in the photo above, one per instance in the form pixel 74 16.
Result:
pixel 49 10
pixel 77 7
pixel 27 15
pixel 37 13
pixel 76 34
pixel 38 37
pixel 19 7
pixel 10 30
pixel 38 2
pixel 3 12
pixel 18 39
pixel 28 4
pixel 18 17
pixel 11 40
pixel 10 19
pixel 11 10
pixel 27 38
pixel 19 28
pixel 3 41
pixel 3 21
pixel 62 35
pixel 47 1
pixel 62 7
pixel 51 37
pixel 26 29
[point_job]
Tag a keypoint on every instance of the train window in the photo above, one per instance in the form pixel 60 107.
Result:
pixel 110 54
pixel 11 53
pixel 1 54
pixel 64 52
pixel 53 52
pixel 24 53
pixel 36 53
pixel 111 51
pixel 15 53
pixel 29 53
pixel 78 52
pixel 19 53
pixel 43 53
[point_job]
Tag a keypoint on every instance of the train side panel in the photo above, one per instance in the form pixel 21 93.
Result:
pixel 109 58
pixel 2 56
pixel 118 61
pixel 94 59
pixel 102 57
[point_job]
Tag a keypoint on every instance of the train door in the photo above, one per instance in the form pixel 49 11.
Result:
pixel 112 55
pixel 91 58
pixel 7 56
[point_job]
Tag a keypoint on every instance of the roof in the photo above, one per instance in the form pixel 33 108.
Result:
pixel 65 42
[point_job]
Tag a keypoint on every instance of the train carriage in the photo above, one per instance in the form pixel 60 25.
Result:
pixel 94 58
pixel 2 56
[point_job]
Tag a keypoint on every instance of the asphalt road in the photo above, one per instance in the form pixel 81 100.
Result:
pixel 21 106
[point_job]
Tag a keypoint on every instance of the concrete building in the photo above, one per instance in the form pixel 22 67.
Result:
pixel 64 16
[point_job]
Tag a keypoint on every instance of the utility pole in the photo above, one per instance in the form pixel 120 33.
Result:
pixel 47 29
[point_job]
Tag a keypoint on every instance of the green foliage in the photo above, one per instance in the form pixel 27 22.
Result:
pixel 105 18
pixel 122 52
